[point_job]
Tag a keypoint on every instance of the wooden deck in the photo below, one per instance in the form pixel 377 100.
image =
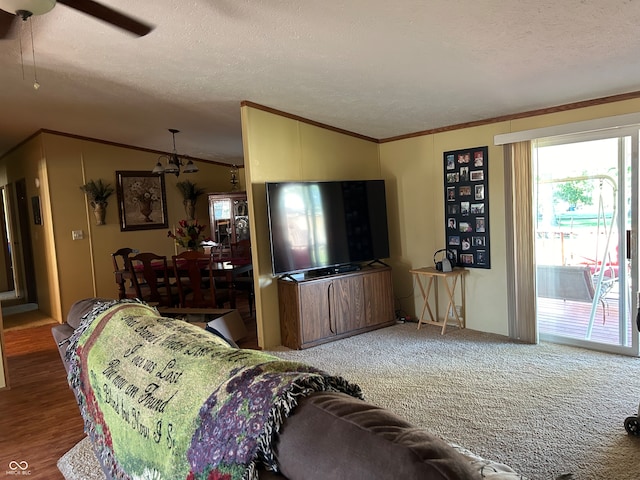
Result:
pixel 571 319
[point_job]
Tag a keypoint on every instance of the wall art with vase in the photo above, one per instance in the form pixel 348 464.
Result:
pixel 141 200
pixel 98 192
pixel 190 193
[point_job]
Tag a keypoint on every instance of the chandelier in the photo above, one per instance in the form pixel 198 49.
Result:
pixel 174 162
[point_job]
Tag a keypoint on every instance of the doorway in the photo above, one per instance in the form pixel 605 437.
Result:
pixel 16 259
pixel 7 278
pixel 585 209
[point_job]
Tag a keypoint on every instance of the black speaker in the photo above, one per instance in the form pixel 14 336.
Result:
pixel 449 256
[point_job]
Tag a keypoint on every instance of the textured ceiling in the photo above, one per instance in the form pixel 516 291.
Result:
pixel 376 68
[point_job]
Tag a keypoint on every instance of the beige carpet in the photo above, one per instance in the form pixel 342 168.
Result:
pixel 544 410
pixel 80 463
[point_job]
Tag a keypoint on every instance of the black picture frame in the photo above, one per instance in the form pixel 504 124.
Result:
pixel 466 205
pixel 142 200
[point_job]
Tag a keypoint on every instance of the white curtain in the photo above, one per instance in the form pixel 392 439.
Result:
pixel 521 273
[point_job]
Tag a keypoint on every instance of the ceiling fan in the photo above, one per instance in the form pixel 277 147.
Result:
pixel 14 10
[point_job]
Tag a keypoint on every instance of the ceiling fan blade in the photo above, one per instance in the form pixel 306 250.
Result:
pixel 8 23
pixel 110 16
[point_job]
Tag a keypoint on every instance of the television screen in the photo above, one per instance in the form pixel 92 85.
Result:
pixel 315 225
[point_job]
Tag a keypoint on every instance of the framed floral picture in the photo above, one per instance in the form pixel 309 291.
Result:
pixel 142 200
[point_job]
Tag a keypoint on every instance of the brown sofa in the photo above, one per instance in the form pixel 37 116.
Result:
pixel 332 435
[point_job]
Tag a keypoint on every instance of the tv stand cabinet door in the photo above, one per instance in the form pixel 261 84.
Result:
pixel 378 288
pixel 305 312
pixel 348 303
pixel 318 319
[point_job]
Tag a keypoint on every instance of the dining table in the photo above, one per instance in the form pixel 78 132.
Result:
pixel 226 270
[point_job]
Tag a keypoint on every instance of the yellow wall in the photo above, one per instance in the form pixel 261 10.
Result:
pixel 570 116
pixel 414 172
pixel 414 169
pixel 68 270
pixel 277 149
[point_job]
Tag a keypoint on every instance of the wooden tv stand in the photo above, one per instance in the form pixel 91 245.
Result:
pixel 323 309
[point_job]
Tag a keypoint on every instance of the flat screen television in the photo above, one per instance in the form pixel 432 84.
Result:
pixel 326 225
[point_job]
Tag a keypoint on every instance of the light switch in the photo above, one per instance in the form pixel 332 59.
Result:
pixel 77 235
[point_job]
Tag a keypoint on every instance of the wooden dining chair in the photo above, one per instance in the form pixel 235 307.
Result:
pixel 150 277
pixel 195 281
pixel 243 283
pixel 120 259
pixel 241 250
pixel 220 253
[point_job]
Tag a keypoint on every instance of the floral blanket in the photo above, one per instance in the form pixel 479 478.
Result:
pixel 164 399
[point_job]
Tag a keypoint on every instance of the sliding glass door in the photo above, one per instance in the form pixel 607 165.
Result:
pixel 586 206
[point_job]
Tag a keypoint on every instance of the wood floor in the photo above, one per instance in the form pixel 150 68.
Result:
pixel 39 417
pixel 571 319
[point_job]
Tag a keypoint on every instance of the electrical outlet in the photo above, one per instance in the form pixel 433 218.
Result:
pixel 77 235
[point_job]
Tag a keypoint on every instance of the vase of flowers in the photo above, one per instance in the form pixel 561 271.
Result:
pixel 143 194
pixel 189 234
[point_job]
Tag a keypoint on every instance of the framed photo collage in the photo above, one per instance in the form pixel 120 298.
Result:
pixel 467 206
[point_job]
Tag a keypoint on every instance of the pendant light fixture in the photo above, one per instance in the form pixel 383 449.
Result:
pixel 174 161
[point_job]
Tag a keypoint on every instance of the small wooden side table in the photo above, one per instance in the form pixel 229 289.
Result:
pixel 451 280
